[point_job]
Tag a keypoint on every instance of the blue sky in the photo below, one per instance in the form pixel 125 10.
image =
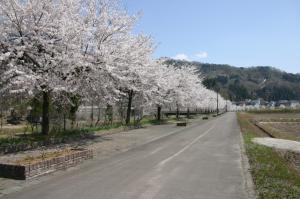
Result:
pixel 236 32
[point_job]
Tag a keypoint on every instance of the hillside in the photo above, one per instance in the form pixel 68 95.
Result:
pixel 237 83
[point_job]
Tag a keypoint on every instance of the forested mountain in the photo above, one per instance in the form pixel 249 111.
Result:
pixel 237 83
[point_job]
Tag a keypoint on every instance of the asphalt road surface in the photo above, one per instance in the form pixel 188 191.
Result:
pixel 199 161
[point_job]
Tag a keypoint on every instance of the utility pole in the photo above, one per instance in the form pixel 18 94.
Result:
pixel 226 107
pixel 1 114
pixel 217 103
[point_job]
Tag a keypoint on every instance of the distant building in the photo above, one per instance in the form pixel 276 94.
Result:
pixel 241 103
pixel 283 103
pixel 295 104
pixel 259 102
pixel 272 104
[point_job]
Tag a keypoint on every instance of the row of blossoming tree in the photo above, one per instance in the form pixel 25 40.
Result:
pixel 74 51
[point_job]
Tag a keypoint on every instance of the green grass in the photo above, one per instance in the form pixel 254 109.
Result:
pixel 272 175
pixel 72 134
pixel 151 121
pixel 10 141
pixel 162 121
pixel 13 130
pixel 36 137
pixel 103 127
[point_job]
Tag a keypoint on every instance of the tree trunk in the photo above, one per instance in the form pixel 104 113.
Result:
pixel 1 118
pixel 74 108
pixel 45 114
pixel 73 116
pixel 111 114
pixel 159 113
pixel 177 112
pixel 99 115
pixel 130 96
pixel 92 114
pixel 188 113
pixel 65 122
pixel 121 110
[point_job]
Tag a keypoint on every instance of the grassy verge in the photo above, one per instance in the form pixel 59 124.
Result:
pixel 103 127
pixel 30 139
pixel 16 139
pixel 13 130
pixel 13 140
pixel 272 175
pixel 169 120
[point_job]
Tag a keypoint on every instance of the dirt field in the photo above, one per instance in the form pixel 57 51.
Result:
pixel 280 125
pixel 278 116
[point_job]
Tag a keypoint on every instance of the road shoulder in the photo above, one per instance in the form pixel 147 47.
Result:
pixel 248 181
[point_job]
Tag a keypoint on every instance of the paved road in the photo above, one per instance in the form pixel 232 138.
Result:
pixel 199 161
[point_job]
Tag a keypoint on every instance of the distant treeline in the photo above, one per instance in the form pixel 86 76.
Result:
pixel 237 83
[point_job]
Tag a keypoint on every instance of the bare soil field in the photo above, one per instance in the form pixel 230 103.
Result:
pixel 263 116
pixel 280 125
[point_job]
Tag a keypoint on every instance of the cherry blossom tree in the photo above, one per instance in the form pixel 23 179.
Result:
pixel 73 51
pixel 116 61
pixel 40 39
